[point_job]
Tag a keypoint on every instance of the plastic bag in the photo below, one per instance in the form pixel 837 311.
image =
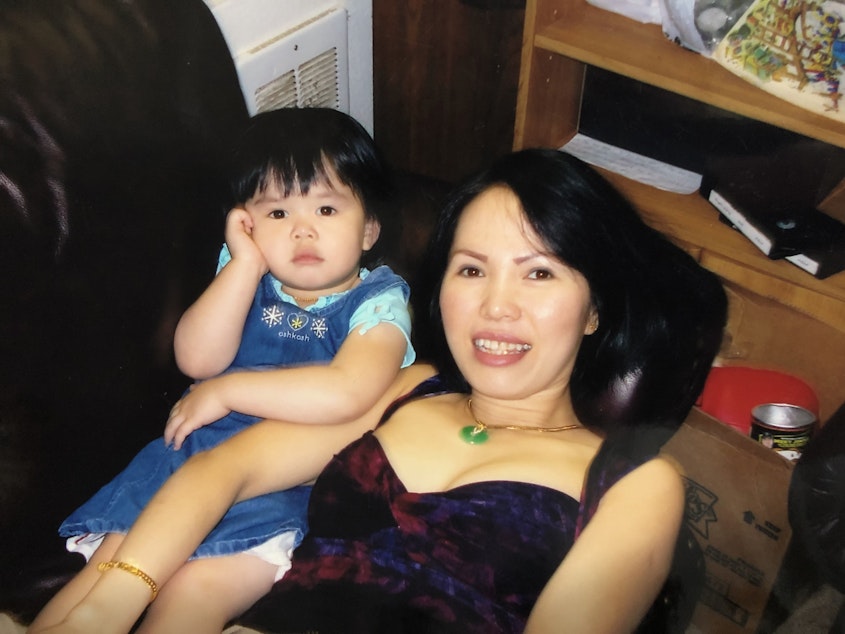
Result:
pixel 645 11
pixel 700 25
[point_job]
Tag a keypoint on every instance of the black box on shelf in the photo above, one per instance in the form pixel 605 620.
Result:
pixel 778 231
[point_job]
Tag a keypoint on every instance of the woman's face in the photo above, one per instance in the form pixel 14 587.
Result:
pixel 513 313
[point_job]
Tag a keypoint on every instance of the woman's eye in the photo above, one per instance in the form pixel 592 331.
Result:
pixel 278 214
pixel 540 274
pixel 469 271
pixel 326 211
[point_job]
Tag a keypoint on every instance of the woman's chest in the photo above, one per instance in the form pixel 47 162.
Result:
pixel 429 453
pixel 496 525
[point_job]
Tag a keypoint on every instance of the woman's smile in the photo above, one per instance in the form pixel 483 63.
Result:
pixel 500 348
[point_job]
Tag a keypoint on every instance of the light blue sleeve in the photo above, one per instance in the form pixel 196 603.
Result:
pixel 390 307
pixel 224 258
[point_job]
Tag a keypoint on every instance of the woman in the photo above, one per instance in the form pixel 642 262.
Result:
pixel 504 494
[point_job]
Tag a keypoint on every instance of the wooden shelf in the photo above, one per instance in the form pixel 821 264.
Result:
pixel 582 32
pixel 691 220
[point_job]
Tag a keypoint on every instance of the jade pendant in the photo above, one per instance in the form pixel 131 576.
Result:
pixel 474 435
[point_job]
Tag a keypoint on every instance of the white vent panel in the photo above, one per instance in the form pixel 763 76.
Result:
pixel 279 93
pixel 318 81
pixel 304 66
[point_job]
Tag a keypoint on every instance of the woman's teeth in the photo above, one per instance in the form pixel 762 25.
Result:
pixel 500 347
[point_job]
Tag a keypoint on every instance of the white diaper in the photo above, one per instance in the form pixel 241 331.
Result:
pixel 277 550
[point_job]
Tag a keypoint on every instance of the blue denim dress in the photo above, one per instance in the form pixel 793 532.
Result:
pixel 276 333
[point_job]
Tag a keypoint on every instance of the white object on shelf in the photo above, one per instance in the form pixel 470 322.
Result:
pixel 638 167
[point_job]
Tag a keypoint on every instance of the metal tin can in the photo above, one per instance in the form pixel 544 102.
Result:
pixel 782 427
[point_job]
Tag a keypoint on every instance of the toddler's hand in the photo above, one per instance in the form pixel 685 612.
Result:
pixel 199 407
pixel 239 238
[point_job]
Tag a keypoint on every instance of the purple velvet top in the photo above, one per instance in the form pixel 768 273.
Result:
pixel 470 559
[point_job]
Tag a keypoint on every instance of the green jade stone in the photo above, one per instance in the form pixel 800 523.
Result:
pixel 474 435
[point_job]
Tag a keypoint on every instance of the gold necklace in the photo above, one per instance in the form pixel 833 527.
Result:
pixel 304 300
pixel 477 434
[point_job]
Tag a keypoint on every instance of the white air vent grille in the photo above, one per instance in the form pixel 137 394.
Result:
pixel 318 81
pixel 313 84
pixel 305 66
pixel 279 93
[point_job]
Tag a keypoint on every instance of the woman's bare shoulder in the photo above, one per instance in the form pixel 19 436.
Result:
pixel 658 479
pixel 410 377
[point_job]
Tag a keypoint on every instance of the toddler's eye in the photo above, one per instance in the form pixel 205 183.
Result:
pixel 278 214
pixel 326 211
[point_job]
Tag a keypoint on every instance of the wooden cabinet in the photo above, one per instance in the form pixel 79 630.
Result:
pixel 780 316
pixel 445 82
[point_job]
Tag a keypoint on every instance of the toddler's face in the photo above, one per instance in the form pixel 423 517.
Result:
pixel 312 242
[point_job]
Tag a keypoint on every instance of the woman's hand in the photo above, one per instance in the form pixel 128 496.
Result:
pixel 71 626
pixel 199 407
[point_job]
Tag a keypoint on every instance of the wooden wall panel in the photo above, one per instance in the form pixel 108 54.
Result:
pixel 445 82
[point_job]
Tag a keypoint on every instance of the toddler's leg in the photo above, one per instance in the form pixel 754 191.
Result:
pixel 205 594
pixel 68 597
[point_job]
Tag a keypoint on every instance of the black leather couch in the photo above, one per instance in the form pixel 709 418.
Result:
pixel 115 116
pixel 114 119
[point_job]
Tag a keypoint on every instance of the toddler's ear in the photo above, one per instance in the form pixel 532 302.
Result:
pixel 372 229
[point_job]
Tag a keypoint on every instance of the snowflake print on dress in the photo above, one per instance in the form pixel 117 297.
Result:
pixel 272 316
pixel 319 328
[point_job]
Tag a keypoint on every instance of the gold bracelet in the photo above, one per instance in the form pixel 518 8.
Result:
pixel 132 570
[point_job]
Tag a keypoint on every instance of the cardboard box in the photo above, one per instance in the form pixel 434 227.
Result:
pixel 737 508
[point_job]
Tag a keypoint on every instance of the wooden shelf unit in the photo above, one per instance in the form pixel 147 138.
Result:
pixel 563 37
pixel 569 34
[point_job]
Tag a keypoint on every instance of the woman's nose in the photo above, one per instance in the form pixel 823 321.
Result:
pixel 500 301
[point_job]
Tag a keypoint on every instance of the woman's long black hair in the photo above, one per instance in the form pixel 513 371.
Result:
pixel 661 315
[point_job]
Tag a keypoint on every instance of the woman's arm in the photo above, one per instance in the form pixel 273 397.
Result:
pixel 616 568
pixel 340 391
pixel 268 456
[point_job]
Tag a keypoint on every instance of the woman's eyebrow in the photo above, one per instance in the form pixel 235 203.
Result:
pixel 530 256
pixel 470 253
pixel 483 258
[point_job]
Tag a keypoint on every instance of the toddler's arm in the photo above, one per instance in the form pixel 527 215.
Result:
pixel 338 392
pixel 209 333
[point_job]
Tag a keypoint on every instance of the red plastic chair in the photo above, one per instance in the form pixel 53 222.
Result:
pixel 731 392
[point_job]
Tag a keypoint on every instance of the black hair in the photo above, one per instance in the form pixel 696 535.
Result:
pixel 660 314
pixel 297 147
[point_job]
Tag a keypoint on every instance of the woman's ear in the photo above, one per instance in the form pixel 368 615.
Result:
pixel 592 321
pixel 372 229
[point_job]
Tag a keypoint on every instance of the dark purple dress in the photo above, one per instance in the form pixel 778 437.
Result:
pixel 379 558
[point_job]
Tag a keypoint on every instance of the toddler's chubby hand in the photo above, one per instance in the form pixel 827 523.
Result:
pixel 199 407
pixel 239 238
